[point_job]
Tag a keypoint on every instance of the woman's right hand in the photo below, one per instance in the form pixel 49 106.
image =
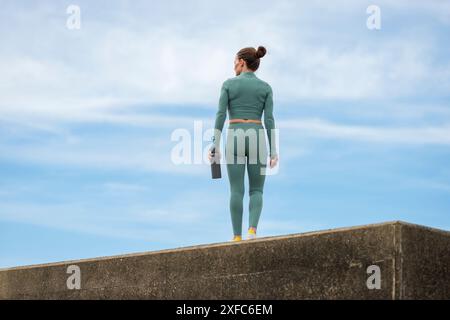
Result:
pixel 273 161
pixel 210 156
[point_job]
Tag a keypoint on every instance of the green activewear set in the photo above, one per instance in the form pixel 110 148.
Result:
pixel 246 97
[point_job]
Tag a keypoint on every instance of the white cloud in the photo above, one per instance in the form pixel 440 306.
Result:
pixel 112 65
pixel 56 144
pixel 147 157
pixel 153 154
pixel 183 215
pixel 376 134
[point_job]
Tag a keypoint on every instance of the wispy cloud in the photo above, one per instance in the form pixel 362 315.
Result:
pixel 158 222
pixel 163 65
pixel 379 134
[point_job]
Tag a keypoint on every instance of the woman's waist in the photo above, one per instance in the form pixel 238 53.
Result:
pixel 244 120
pixel 245 125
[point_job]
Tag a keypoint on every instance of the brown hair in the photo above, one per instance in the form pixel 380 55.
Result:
pixel 252 56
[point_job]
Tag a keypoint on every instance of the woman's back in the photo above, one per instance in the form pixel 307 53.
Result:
pixel 247 95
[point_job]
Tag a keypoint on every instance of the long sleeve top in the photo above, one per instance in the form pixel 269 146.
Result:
pixel 246 97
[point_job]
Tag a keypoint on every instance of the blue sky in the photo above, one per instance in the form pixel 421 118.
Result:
pixel 86 118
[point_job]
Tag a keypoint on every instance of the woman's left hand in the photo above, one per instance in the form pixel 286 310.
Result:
pixel 273 161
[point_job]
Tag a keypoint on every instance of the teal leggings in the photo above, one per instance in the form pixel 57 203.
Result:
pixel 246 148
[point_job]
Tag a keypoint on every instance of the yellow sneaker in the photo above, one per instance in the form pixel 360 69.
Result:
pixel 251 233
pixel 237 238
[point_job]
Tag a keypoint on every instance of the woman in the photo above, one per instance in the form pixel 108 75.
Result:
pixel 246 97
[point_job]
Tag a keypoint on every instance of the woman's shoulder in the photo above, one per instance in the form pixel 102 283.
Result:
pixel 236 79
pixel 228 81
pixel 263 83
pixel 266 85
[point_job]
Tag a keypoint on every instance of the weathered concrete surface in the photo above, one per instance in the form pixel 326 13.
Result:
pixel 414 263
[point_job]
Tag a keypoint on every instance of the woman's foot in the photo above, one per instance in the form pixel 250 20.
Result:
pixel 251 233
pixel 237 238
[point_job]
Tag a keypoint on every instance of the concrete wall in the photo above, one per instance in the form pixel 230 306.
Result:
pixel 414 263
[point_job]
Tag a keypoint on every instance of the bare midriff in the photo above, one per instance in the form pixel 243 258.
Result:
pixel 244 120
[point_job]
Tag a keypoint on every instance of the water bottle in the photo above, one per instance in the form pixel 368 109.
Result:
pixel 215 165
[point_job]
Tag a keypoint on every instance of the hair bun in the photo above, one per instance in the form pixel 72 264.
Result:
pixel 260 52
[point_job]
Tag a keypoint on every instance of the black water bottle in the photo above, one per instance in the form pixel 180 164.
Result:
pixel 215 165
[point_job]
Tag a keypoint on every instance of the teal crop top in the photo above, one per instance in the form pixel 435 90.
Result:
pixel 246 97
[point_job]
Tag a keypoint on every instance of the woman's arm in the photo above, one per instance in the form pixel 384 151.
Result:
pixel 269 122
pixel 221 115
